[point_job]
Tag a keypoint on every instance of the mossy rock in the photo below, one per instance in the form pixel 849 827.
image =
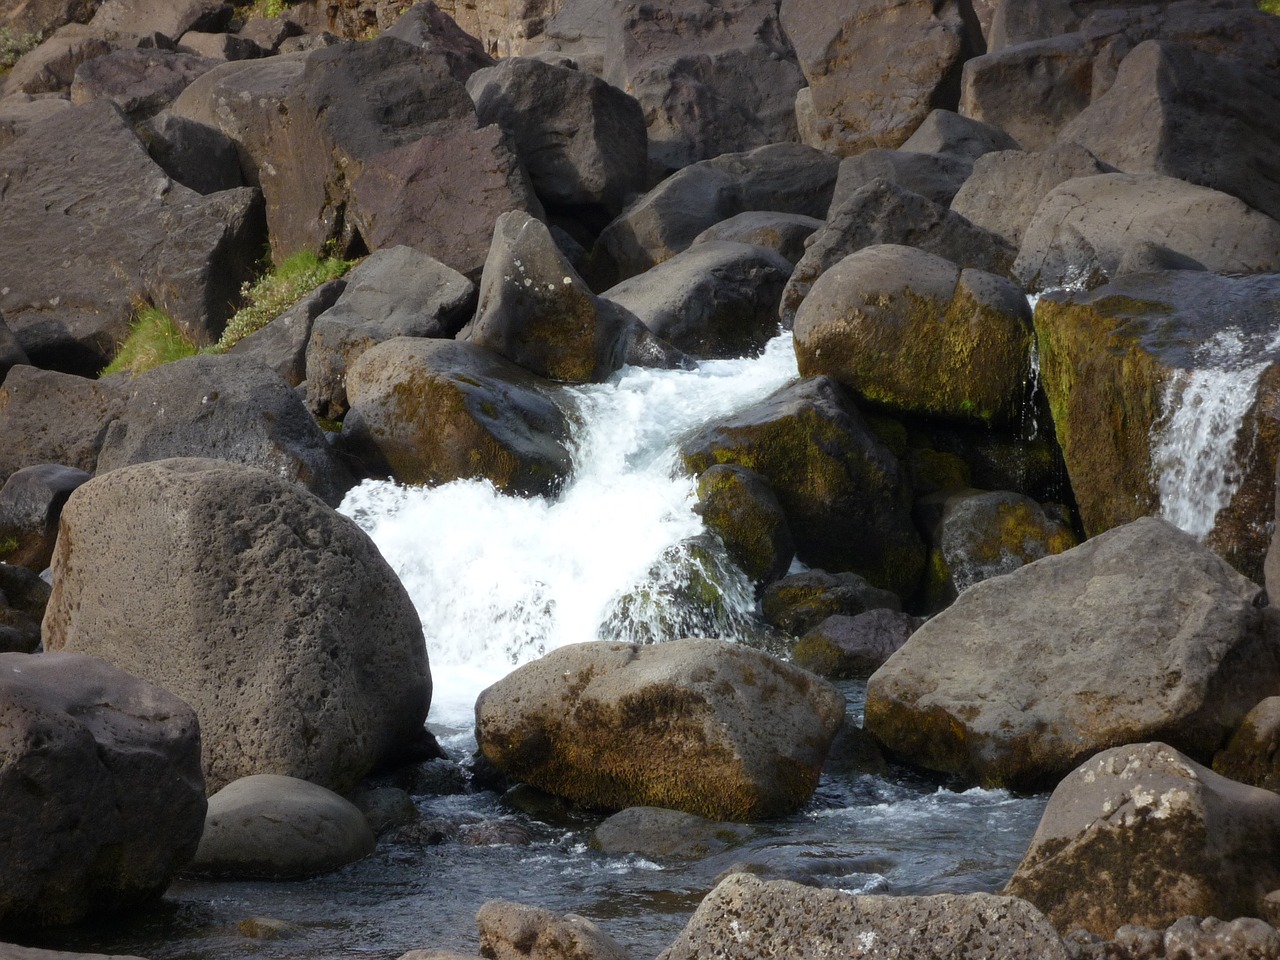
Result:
pixel 1252 755
pixel 798 603
pixel 740 507
pixel 844 648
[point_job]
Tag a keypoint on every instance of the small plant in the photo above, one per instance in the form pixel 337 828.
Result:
pixel 14 45
pixel 153 339
pixel 275 292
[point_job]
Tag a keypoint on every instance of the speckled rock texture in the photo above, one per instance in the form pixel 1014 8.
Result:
pixel 274 617
pixel 514 931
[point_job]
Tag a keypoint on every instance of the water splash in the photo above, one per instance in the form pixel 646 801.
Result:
pixel 620 554
pixel 1196 451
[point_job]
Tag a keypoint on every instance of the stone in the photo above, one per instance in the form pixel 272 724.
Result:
pixel 173 18
pixel 197 156
pixel 23 598
pixel 1142 835
pixel 44 16
pixel 282 343
pixel 740 507
pixel 715 300
pixel 100 783
pixel 514 931
pixel 881 212
pixel 911 332
pixel 430 28
pixel 935 176
pixel 11 352
pixel 704 726
pixel 800 602
pixel 272 827
pixel 582 141
pixel 538 313
pixel 841 488
pixel 19 111
pixel 11 951
pixel 783 233
pixel 1084 227
pixel 280 622
pixel 226 408
pixel 31 501
pixel 1006 187
pixel 948 132
pixel 51 67
pixel 654 832
pixel 183 253
pixel 50 417
pixel 269 32
pixel 876 68
pixel 1026 675
pixel 1250 756
pixel 140 82
pixel 432 411
pixel 744 917
pixel 394 292
pixel 507 28
pixel 220 46
pixel 843 647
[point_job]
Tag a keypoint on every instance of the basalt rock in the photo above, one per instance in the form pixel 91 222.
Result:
pixel 783 233
pixel 799 602
pixel 947 132
pixel 23 599
pixel 140 82
pixel 430 28
pixel 842 647
pixel 282 343
pixel 49 417
pixel 31 501
pixel 655 832
pixel 1250 756
pixel 740 507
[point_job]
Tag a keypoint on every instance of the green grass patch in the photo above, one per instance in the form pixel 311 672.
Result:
pixel 14 45
pixel 275 292
pixel 153 339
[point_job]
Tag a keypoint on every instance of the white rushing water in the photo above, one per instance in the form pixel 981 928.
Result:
pixel 500 580
pixel 1195 452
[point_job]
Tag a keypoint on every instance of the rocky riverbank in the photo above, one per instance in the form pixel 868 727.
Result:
pixel 1028 255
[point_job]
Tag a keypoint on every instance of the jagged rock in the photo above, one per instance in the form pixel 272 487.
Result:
pixel 429 28
pixel 705 726
pixel 1027 674
pixel 140 82
pixel 23 598
pixel 935 176
pixel 31 501
pixel 48 417
pixel 740 507
pixel 51 67
pixel 431 411
pixel 798 603
pixel 173 18
pixel 907 330
pixel 843 647
pixel 67 304
pixel 655 832
pixel 282 343
pixel 783 233
pixel 269 32
pixel 197 156
pixel 513 931
pixel 100 783
pixel 742 917
pixel 279 828
pixel 875 68
pixel 395 292
pixel 1250 756
pixel 220 46
pixel 947 132
pixel 841 488
pixel 1142 835
pixel 881 212
pixel 279 621
pixel 44 16
pixel 504 28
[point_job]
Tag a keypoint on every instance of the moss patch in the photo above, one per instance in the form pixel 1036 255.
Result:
pixel 153 339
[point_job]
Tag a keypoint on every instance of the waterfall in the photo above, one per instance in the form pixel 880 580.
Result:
pixel 500 580
pixel 1196 445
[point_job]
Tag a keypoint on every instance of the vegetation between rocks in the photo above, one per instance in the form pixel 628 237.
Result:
pixel 154 339
pixel 1269 6
pixel 14 45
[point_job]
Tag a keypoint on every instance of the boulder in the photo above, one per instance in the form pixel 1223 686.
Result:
pixel 19 111
pixel 1250 756
pixel 711 80
pixel 269 32
pixel 935 176
pixel 947 132
pixel 783 177
pixel 911 332
pixel 394 292
pixel 513 931
pixel 582 141
pixel 538 313
pixel 279 828
pixel 841 488
pixel 654 832
pixel 171 247
pixel 11 352
pixel 714 300
pixel 432 411
pixel 31 501
pixel 506 28
pixel 1006 188
pixel 51 67
pixel 842 647
pixel 173 18
pixel 876 68
pixel 428 27
pixel 49 417
pixel 23 598
pixel 225 408
pixel 141 82
pixel 12 951
pixel 279 621
pixel 704 726
pixel 1163 389
pixel 282 343
pixel 881 212
pixel 1083 229
pixel 194 154
pixel 798 603
pixel 1139 633
pixel 783 233
pixel 1142 835
pixel 740 507
pixel 100 783
pixel 744 918
pixel 220 47
pixel 45 16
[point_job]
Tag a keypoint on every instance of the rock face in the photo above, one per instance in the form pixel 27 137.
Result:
pixel 910 331
pixel 169 246
pixel 841 647
pixel 280 622
pixel 48 417
pixel 704 726
pixel 513 931
pixel 140 82
pixel 744 918
pixel 432 411
pixel 100 783
pixel 1142 835
pixel 839 485
pixel 31 501
pixel 1139 633
pixel 278 828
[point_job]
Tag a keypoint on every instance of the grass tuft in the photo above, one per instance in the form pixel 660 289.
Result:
pixel 275 292
pixel 153 339
pixel 14 45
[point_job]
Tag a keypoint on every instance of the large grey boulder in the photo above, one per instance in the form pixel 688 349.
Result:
pixel 657 832
pixel 31 501
pixel 67 303
pixel 431 411
pixel 949 133
pixel 504 29
pixel 282 343
pixel 430 28
pixel 49 417
pixel 51 67
pixel 745 918
pixel 704 726
pixel 141 82
pixel 740 507
pixel 1142 835
pixel 194 154
pixel 935 176
pixel 394 292
pixel 273 616
pixel 514 931
pixel 842 647
pixel 173 18
pixel 783 233
pixel 19 111
pixel 100 786
pixel 1139 633
pixel 279 828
